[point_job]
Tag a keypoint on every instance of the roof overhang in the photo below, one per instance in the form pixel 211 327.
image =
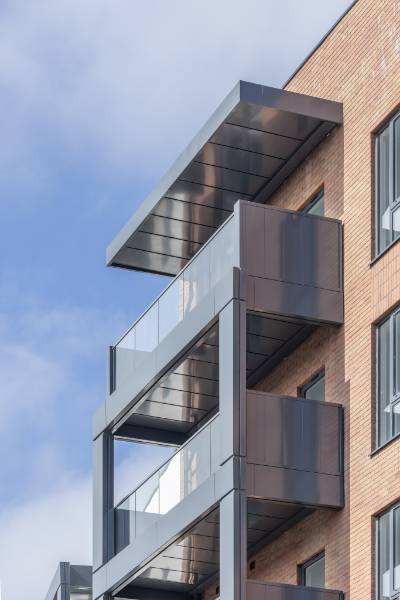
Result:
pixel 251 143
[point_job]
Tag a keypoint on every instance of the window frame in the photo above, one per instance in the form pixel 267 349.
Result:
pixel 394 593
pixel 308 563
pixel 314 379
pixel 313 201
pixel 394 397
pixel 394 203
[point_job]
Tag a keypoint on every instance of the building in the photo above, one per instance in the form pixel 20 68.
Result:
pixel 270 361
pixel 71 582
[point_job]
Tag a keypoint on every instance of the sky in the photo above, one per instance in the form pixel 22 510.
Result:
pixel 97 98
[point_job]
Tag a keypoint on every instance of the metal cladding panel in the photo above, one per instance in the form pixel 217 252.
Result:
pixel 293 263
pixel 255 139
pixel 258 590
pixel 294 450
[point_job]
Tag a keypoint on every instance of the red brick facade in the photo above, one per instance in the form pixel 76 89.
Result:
pixel 358 64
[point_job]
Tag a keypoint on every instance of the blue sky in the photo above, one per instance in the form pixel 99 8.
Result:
pixel 96 100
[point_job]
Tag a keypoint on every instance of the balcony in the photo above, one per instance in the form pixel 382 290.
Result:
pixel 294 463
pixel 179 477
pixel 191 564
pixel 252 142
pixel 284 265
pixel 258 590
pixel 294 450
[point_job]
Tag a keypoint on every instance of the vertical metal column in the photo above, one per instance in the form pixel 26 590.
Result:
pixel 233 546
pixel 232 379
pixel 232 399
pixel 102 498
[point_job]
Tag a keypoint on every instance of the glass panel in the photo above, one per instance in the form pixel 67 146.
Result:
pixel 384 391
pixel 396 357
pixel 171 484
pixel 384 556
pixel 133 461
pixel 221 250
pixel 147 504
pixel 396 418
pixel 215 446
pixel 396 222
pixel 396 576
pixel 80 596
pixel 197 280
pixel 317 206
pixel 124 523
pixel 315 573
pixel 196 461
pixel 125 357
pixel 316 390
pixel 170 308
pixel 397 159
pixel 147 334
pixel 384 233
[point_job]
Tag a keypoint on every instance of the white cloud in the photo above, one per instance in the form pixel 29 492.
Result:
pixel 124 84
pixel 38 534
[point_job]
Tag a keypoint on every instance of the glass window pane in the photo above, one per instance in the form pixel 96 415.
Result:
pixel 170 308
pixel 397 158
pixel 384 226
pixel 384 556
pixel 396 418
pixel 147 504
pixel 396 575
pixel 316 206
pixel 396 222
pixel 80 596
pixel 315 573
pixel 396 357
pixel 384 391
pixel 147 334
pixel 316 389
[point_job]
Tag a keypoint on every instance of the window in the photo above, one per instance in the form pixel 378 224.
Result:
pixel 315 389
pixel 387 169
pixel 317 205
pixel 388 554
pixel 312 573
pixel 388 379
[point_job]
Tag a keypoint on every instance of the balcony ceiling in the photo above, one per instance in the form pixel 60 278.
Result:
pixel 193 560
pixel 252 142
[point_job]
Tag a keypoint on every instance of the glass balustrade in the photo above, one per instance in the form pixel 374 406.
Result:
pixel 200 276
pixel 181 475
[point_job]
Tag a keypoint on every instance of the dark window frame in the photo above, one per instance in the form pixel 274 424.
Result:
pixel 313 200
pixel 312 381
pixel 394 593
pixel 308 563
pixel 394 203
pixel 394 397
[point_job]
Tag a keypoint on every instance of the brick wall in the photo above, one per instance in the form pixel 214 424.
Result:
pixel 359 65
